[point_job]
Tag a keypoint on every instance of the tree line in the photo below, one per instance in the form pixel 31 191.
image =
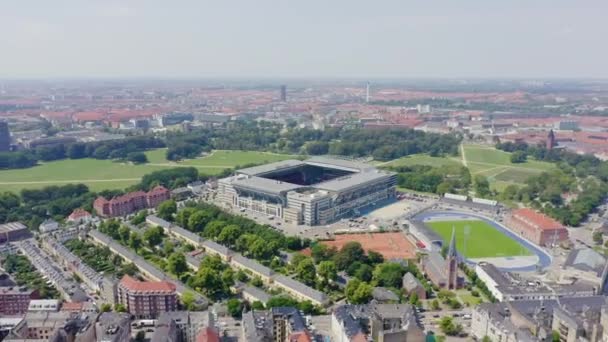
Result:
pixel 123 149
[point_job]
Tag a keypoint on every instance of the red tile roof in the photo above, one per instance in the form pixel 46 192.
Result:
pixel 79 213
pixel 207 335
pixel 301 336
pixel 146 286
pixel 71 306
pixel 542 221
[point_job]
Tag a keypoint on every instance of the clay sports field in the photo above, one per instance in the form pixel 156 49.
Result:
pixel 390 245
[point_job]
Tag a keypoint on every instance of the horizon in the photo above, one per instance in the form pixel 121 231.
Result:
pixel 313 40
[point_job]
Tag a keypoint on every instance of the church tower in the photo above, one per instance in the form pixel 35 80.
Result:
pixel 452 263
pixel 551 140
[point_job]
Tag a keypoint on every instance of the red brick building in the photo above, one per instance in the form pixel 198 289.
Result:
pixel 15 301
pixel 537 227
pixel 131 202
pixel 147 299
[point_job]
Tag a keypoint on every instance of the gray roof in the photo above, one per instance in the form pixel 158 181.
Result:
pixel 382 294
pixel 242 261
pixel 261 169
pixel 301 288
pixel 11 226
pixel 215 247
pixel 353 180
pixel 265 185
pixel 155 220
pixel 346 314
pixel 349 165
pixel 410 282
pixel 253 291
pixel 586 259
pixel 435 264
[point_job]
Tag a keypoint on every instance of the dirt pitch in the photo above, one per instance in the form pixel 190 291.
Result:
pixel 390 245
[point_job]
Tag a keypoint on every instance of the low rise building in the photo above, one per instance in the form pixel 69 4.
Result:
pixel 536 227
pixel 13 231
pixel 147 299
pixel 377 322
pixel 299 290
pixel 280 324
pixel 80 216
pixel 412 285
pixel 506 286
pixel 15 300
pixel 48 225
pixel 185 325
pixel 573 319
pixel 43 305
pixel 131 202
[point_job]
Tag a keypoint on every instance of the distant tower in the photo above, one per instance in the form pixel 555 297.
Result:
pixel 551 140
pixel 284 93
pixel 452 263
pixel 5 137
pixel 367 93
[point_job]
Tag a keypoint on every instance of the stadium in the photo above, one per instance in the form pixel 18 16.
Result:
pixel 478 239
pixel 316 191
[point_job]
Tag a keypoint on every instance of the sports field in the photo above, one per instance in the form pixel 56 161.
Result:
pixel 390 245
pixel 497 167
pixel 422 159
pixel 483 240
pixel 107 174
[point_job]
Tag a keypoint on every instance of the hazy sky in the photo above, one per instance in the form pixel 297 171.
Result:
pixel 307 38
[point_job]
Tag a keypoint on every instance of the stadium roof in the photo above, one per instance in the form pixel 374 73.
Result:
pixel 352 180
pixel 348 165
pixel 269 186
pixel 261 169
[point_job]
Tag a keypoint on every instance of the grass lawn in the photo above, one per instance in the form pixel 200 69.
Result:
pixel 497 167
pixel 484 241
pixel 106 174
pixel 422 159
pixel 467 298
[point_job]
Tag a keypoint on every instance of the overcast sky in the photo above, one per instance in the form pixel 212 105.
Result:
pixel 306 38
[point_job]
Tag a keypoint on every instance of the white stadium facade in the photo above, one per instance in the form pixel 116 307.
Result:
pixel 316 191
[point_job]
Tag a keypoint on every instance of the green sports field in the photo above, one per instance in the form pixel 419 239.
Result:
pixel 497 167
pixel 483 241
pixel 107 174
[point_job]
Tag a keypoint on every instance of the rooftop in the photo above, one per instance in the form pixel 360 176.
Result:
pixel 147 286
pixel 542 221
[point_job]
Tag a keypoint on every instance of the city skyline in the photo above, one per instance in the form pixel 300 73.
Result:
pixel 395 39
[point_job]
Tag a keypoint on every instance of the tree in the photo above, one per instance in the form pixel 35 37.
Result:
pixel 140 217
pixel 166 210
pixel 188 300
pixel 362 295
pixel 435 305
pixel 140 336
pixel 598 237
pixel 327 270
pixel 555 337
pixel 518 157
pixel 449 327
pixel 105 307
pixel 306 271
pixel 257 305
pixel 235 307
pixel 487 339
pixel 257 281
pixel 350 252
pixel 229 234
pixel 183 216
pixel 482 186
pixel 135 241
pixel 153 236
pixel 124 233
pixel 364 272
pixel 414 299
pixel 137 158
pixel 322 252
pixel 198 222
pixel 120 308
pixel 176 264
pixel 389 274
pixel 374 257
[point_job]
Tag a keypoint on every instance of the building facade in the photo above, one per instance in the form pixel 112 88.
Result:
pixel 147 299
pixel 131 202
pixel 14 300
pixel 536 227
